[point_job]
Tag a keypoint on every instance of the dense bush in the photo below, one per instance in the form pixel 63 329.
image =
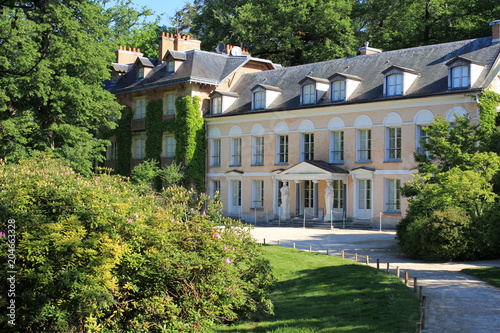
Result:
pixel 93 255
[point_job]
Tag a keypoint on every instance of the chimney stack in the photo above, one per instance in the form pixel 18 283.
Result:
pixel 368 50
pixel 127 55
pixel 176 42
pixel 495 32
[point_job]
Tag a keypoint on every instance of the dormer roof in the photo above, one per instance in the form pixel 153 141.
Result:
pixel 266 87
pixel 463 59
pixel 400 68
pixel 175 55
pixel 144 62
pixel 345 76
pixel 314 79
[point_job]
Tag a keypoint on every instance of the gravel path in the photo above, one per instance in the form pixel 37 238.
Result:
pixel 456 302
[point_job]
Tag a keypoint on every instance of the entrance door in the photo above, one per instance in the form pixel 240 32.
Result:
pixel 235 197
pixel 338 199
pixel 364 198
pixel 309 199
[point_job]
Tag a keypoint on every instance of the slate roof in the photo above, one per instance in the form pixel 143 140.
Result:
pixel 327 166
pixel 429 61
pixel 198 66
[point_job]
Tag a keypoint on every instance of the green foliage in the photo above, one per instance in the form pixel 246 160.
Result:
pixel 94 255
pixel 487 274
pixel 488 103
pixel 124 144
pixel 190 140
pixel 145 173
pixel 154 130
pixel 51 93
pixel 171 175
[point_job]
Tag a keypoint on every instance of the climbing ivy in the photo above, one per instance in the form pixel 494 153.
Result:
pixel 190 140
pixel 124 142
pixel 154 130
pixel 487 129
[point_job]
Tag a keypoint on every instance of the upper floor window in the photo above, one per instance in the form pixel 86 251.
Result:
pixel 394 84
pixel 236 151
pixel 216 105
pixel 309 94
pixel 140 108
pixel 258 150
pixel 140 73
pixel 170 104
pixel 460 77
pixel 364 145
pixel 259 100
pixel 170 66
pixel 216 150
pixel 422 139
pixel 393 144
pixel 337 147
pixel 138 148
pixel 308 146
pixel 338 91
pixel 169 146
pixel 282 149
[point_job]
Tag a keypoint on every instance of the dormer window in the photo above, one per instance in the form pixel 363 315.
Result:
pixel 140 73
pixel 398 80
pixel 263 96
pixel 338 91
pixel 170 66
pixel 342 86
pixel 143 65
pixel 312 89
pixel 216 105
pixel 173 60
pixel 221 101
pixel 463 73
pixel 394 84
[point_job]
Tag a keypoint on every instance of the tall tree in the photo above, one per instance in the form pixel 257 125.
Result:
pixel 54 57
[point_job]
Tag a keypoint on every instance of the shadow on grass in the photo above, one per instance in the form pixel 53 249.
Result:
pixel 336 297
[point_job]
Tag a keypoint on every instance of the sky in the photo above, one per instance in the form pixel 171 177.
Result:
pixel 168 8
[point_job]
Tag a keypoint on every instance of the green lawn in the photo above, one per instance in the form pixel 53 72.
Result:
pixel 319 293
pixel 487 274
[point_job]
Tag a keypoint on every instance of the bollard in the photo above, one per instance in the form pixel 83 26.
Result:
pixel 343 254
pixel 294 245
pixel 397 272
pixel 355 257
pixel 327 252
pixel 367 260
pixel 278 242
pixel 387 267
pixel 310 248
pixel 264 241
pixel 420 293
pixel 407 277
pixel 378 263
pixel 415 285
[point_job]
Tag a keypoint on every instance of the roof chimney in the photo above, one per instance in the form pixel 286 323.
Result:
pixel 495 32
pixel 368 50
pixel 127 55
pixel 176 42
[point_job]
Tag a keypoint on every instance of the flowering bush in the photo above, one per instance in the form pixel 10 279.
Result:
pixel 94 255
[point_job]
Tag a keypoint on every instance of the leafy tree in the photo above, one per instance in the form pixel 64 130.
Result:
pixel 94 255
pixel 54 57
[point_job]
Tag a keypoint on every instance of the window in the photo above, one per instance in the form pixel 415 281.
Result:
pixel 308 146
pixel 138 146
pixel 236 193
pixel 338 194
pixel 460 77
pixel 111 151
pixel 236 151
pixel 169 146
pixel 217 105
pixel 308 194
pixel 216 152
pixel 140 108
pixel 393 203
pixel 215 188
pixel 170 104
pixel 393 143
pixel 308 94
pixel 258 194
pixel 364 194
pixel 282 149
pixel 394 84
pixel 140 73
pixel 338 91
pixel 364 145
pixel 170 66
pixel 422 138
pixel 337 147
pixel 258 149
pixel 259 100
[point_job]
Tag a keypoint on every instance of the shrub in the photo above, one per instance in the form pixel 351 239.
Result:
pixel 93 255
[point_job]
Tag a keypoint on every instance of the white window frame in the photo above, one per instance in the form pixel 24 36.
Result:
pixel 235 151
pixel 309 94
pixel 259 100
pixel 282 149
pixel 364 145
pixel 393 144
pixel 308 146
pixel 394 84
pixel 460 76
pixel 235 196
pixel 338 92
pixel 111 151
pixel 258 150
pixel 139 148
pixel 336 146
pixel 215 187
pixel 140 73
pixel 170 103
pixel 169 144
pixel 170 66
pixel 393 195
pixel 422 136
pixel 257 193
pixel 140 108
pixel 217 105
pixel 216 152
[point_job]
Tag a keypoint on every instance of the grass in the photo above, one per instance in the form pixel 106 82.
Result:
pixel 490 275
pixel 319 293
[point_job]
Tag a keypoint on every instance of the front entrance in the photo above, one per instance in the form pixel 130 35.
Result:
pixel 364 198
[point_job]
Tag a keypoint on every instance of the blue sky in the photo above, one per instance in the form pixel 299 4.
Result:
pixel 168 8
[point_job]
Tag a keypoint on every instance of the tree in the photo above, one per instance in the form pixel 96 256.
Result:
pixel 54 57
